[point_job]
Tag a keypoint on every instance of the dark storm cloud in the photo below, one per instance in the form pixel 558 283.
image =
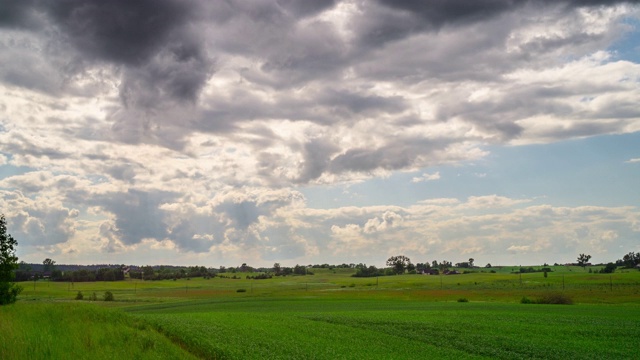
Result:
pixel 152 45
pixel 436 13
pixel 177 72
pixel 17 13
pixel 305 7
pixel 122 31
pixel 410 16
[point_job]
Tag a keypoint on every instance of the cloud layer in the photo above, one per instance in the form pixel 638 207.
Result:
pixel 189 126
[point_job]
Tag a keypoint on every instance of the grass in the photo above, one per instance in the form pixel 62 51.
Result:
pixel 45 330
pixel 330 315
pixel 500 286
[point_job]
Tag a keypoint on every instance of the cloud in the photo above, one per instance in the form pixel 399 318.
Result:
pixel 631 161
pixel 518 249
pixel 426 177
pixel 119 31
pixel 194 127
pixel 492 201
pixel 38 222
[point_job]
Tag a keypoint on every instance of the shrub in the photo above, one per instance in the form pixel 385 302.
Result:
pixel 555 298
pixel 609 268
pixel 93 297
pixel 108 296
pixel 352 285
pixel 551 298
pixel 241 290
pixel 79 296
pixel 463 300
pixel 525 300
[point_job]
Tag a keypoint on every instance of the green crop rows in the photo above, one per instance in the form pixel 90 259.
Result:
pixel 368 329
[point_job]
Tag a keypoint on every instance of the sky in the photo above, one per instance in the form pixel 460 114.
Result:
pixel 216 133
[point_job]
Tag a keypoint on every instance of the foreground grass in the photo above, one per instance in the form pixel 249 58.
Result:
pixel 79 331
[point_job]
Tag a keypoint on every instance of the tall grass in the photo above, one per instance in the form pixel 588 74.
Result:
pixel 79 331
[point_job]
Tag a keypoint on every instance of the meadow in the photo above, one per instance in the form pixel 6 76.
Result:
pixel 331 315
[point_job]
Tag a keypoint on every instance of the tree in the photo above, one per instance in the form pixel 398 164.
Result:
pixel 399 263
pixel 8 263
pixel 471 260
pixel 148 272
pixel 444 265
pixel 583 260
pixel 48 265
pixel 609 268
pixel 631 259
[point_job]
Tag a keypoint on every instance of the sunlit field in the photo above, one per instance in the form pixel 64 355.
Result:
pixel 331 315
pixel 503 286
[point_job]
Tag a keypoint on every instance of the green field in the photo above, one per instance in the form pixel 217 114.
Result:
pixel 331 315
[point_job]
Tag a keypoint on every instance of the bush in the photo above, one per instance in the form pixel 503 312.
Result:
pixel 241 290
pixel 463 300
pixel 551 298
pixel 108 296
pixel 93 297
pixel 555 298
pixel 79 296
pixel 609 268
pixel 525 300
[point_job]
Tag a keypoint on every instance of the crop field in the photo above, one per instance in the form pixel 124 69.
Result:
pixel 392 329
pixel 330 315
